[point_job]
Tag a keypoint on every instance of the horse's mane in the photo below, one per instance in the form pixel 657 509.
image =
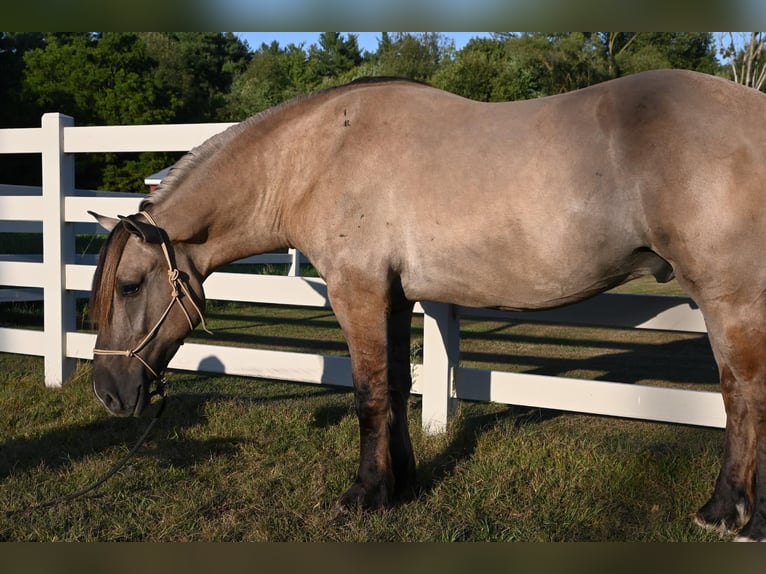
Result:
pixel 207 149
pixel 100 305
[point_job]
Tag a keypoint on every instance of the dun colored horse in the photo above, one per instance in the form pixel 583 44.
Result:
pixel 398 192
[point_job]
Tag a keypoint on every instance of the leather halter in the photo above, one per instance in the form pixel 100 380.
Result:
pixel 179 289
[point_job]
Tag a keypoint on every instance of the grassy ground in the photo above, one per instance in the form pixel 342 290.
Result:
pixel 243 459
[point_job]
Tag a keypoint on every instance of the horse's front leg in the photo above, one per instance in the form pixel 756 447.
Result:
pixel 399 385
pixel 362 311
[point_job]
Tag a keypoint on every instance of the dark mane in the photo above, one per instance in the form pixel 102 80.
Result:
pixel 100 305
pixel 207 149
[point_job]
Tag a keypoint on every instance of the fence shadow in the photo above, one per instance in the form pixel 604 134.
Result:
pixel 685 359
pixel 464 438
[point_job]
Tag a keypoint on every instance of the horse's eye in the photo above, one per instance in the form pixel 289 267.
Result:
pixel 130 289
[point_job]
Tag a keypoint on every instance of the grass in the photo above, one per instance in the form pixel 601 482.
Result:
pixel 239 459
pixel 235 459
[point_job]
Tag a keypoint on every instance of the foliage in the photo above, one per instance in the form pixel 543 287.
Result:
pixel 16 110
pixel 117 78
pixel 746 65
pixel 160 77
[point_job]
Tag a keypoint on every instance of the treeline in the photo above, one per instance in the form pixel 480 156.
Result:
pixel 159 77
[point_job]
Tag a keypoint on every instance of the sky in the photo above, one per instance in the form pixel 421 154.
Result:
pixel 367 40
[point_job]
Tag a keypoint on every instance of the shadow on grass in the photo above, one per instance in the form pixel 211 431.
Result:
pixel 57 448
pixel 464 437
pixel 684 361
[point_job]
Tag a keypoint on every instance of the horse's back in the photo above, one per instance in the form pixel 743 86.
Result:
pixel 543 202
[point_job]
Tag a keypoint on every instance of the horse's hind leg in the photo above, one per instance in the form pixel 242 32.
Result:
pixel 738 337
pixel 731 503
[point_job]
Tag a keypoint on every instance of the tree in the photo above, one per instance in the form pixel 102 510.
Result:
pixel 746 65
pixel 483 71
pixel 275 74
pixel 413 56
pixel 554 63
pixel 195 71
pixel 642 51
pixel 16 111
pixel 127 78
pixel 474 70
pixel 334 56
pixel 615 44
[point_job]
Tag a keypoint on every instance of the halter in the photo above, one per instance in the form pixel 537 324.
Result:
pixel 179 289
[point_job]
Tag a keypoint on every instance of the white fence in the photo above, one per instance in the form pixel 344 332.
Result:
pixel 58 208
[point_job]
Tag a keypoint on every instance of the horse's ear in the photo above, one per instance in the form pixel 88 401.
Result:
pixel 143 231
pixel 107 223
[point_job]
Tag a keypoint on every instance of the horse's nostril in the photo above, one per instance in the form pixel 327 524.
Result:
pixel 110 400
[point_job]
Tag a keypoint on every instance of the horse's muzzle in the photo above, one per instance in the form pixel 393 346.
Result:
pixel 120 397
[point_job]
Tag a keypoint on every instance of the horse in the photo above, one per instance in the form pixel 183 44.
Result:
pixel 399 192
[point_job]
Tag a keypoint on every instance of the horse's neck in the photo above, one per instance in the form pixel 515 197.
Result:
pixel 225 214
pixel 220 230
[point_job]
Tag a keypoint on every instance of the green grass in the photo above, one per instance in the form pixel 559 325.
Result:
pixel 236 459
pixel 243 459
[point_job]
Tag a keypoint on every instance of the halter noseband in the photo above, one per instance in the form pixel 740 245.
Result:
pixel 179 289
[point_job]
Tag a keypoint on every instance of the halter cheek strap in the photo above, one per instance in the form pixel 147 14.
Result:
pixel 179 289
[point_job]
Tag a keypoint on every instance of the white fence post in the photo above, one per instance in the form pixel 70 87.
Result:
pixel 441 347
pixel 295 263
pixel 58 249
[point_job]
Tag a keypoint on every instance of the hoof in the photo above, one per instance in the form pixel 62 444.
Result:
pixel 713 517
pixel 745 539
pixel 720 527
pixel 754 531
pixel 360 497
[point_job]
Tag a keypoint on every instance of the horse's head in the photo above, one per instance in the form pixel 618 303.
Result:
pixel 147 296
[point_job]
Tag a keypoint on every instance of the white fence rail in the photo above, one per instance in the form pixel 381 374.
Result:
pixel 59 211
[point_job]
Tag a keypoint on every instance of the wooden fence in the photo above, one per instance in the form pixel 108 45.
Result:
pixel 60 211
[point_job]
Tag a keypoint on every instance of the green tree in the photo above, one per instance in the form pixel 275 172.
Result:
pixel 557 63
pixel 473 71
pixel 195 71
pixel 483 71
pixel 654 50
pixel 334 57
pixel 274 75
pixel 413 56
pixel 128 78
pixel 17 111
pixel 98 79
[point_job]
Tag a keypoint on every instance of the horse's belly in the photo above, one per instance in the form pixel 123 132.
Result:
pixel 510 293
pixel 526 283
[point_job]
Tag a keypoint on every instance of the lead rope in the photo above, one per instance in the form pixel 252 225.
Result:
pixel 175 283
pixel 93 486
